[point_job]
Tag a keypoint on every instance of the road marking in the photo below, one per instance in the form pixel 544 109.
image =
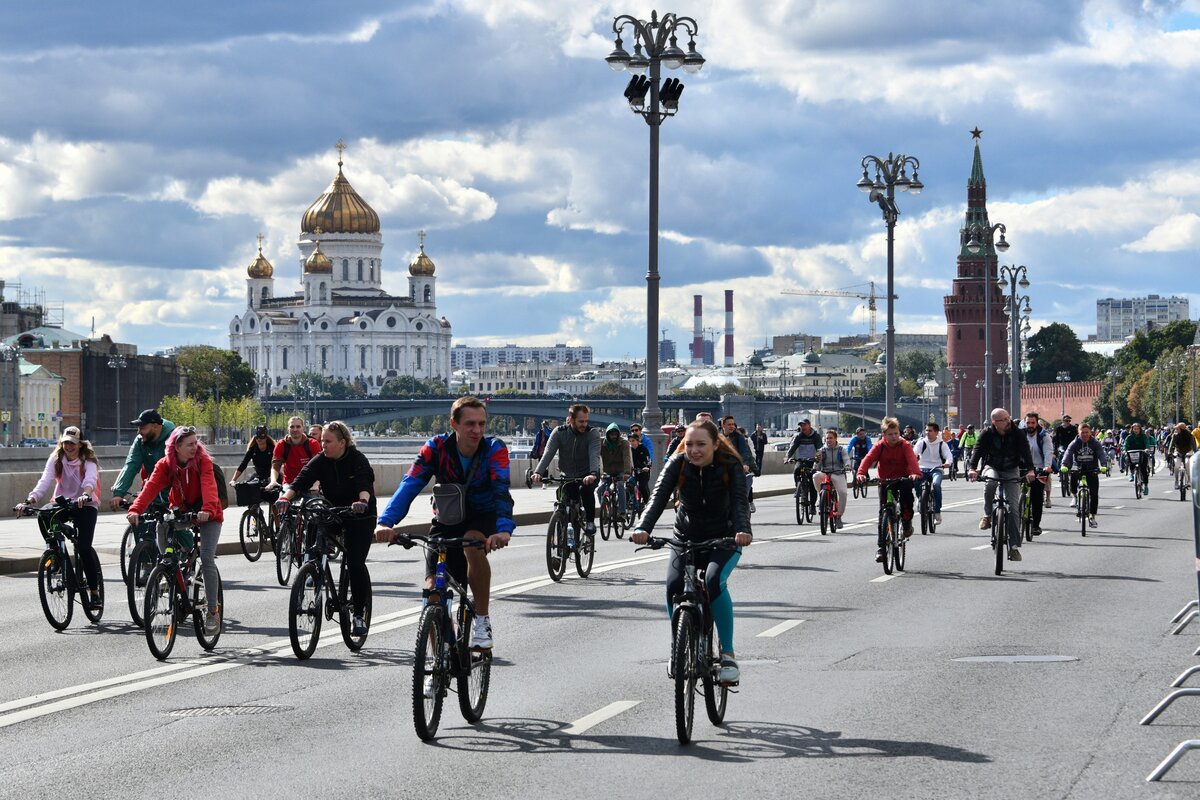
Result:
pixel 982 547
pixel 1117 508
pixel 883 578
pixel 584 724
pixel 782 627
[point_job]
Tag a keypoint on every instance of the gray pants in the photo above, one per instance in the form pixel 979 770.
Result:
pixel 1012 493
pixel 210 534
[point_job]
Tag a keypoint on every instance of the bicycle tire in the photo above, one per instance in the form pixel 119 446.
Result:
pixel 250 535
pixel 159 612
pixel 924 511
pixel 475 670
pixel 429 660
pixel 128 543
pixel 1084 505
pixel 716 696
pixel 799 506
pixel 899 545
pixel 58 598
pixel 200 612
pixel 556 546
pixel 1137 487
pixel 353 642
pixel 822 515
pixel 306 610
pixel 885 533
pixel 605 518
pixel 999 538
pixel 810 504
pixel 683 652
pixel 93 614
pixel 283 555
pixel 141 563
pixel 585 553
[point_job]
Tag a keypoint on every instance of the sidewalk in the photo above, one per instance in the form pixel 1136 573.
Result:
pixel 21 546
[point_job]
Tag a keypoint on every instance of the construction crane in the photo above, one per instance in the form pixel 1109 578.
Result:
pixel 870 297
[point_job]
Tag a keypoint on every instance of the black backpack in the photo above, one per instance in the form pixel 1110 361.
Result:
pixel 222 485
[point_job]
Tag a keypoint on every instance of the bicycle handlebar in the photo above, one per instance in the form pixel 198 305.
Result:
pixel 659 542
pixel 431 542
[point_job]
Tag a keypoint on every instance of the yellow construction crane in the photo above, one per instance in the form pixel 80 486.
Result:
pixel 870 297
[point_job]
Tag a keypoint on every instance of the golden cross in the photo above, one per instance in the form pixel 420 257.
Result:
pixel 318 232
pixel 341 148
pixel 260 241
pixel 421 238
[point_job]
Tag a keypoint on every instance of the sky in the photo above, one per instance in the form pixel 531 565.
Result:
pixel 144 145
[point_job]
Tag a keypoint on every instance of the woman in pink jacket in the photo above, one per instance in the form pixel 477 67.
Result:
pixel 74 473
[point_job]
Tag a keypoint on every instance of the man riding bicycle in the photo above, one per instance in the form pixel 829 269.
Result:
pixel 803 451
pixel 967 442
pixel 859 446
pixel 616 462
pixel 896 460
pixel 1004 450
pixel 577 446
pixel 1087 453
pixel 1041 450
pixel 933 456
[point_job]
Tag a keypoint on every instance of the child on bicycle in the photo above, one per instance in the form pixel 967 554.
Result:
pixel 831 461
pixel 896 460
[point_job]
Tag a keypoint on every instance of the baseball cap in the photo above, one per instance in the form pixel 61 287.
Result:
pixel 70 434
pixel 147 417
pixel 261 430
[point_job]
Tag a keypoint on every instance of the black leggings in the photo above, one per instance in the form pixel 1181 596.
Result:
pixel 357 535
pixel 588 496
pixel 85 532
pixel 1093 476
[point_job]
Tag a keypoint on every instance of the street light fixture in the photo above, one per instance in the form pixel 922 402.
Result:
pixel 891 173
pixel 117 362
pixel 217 388
pixel 979 384
pixel 1063 379
pixel 981 238
pixel 959 376
pixel 655 45
pixel 8 353
pixel 1012 278
pixel 1114 373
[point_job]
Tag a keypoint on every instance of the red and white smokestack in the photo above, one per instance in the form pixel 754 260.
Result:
pixel 697 331
pixel 729 327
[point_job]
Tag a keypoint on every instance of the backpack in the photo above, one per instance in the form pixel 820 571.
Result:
pixel 222 484
pixel 925 446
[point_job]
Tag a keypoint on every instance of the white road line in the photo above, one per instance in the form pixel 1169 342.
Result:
pixel 584 724
pixel 982 547
pixel 782 627
pixel 1117 508
pixel 883 578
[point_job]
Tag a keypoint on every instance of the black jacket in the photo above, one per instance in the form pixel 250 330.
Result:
pixel 341 479
pixel 1010 451
pixel 261 459
pixel 1064 435
pixel 712 501
pixel 641 457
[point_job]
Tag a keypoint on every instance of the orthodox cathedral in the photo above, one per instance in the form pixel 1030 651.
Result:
pixel 341 323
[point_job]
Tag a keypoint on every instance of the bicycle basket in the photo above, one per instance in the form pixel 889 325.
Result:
pixel 248 494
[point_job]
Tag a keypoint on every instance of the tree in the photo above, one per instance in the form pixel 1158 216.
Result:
pixel 237 380
pixel 1146 346
pixel 1053 349
pixel 401 386
pixel 912 364
pixel 612 389
pixel 874 385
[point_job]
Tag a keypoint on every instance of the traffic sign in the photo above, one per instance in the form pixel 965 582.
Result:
pixel 5 416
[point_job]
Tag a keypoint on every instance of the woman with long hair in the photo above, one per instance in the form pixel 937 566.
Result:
pixel 713 504
pixel 75 474
pixel 259 452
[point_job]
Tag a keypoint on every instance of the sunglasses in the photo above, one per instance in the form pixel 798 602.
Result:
pixel 186 430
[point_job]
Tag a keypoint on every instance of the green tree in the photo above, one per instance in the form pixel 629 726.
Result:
pixel 612 389
pixel 198 362
pixel 912 364
pixel 1053 349
pixel 875 385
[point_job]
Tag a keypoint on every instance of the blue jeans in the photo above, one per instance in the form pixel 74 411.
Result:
pixel 937 487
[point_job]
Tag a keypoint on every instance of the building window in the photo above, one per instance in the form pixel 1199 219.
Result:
pixel 362 326
pixel 981 334
pixel 391 322
pixel 322 291
pixel 324 358
pixel 362 358
pixel 371 271
pixel 420 326
pixel 264 293
pixel 345 269
pixel 958 334
pixel 360 266
pixel 428 293
pixel 252 323
pixel 284 352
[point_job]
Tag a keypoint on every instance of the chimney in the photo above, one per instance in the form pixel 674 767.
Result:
pixel 729 327
pixel 697 332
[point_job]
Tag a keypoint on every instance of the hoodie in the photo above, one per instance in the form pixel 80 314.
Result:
pixel 615 457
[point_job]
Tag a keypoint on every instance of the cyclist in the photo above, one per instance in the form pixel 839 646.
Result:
pixel 539 441
pixel 1064 434
pixel 291 453
pixel 1089 455
pixel 577 445
pixel 1005 450
pixel 860 445
pixel 479 462
pixel 967 442
pixel 346 479
pixel 759 442
pixel 1182 445
pixel 616 462
pixel 645 440
pixel 955 452
pixel 831 460
pixel 933 456
pixel 75 474
pixel 186 473
pixel 910 434
pixel 711 481
pixel 1041 450
pixel 741 443
pixel 642 460
pixel 803 451
pixel 895 459
pixel 259 452
pixel 1136 440
pixel 148 448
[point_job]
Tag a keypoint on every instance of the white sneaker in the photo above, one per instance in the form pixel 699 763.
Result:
pixel 427 689
pixel 212 622
pixel 751 506
pixel 729 672
pixel 938 518
pixel 481 635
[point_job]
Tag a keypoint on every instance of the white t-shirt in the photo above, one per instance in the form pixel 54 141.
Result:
pixel 931 454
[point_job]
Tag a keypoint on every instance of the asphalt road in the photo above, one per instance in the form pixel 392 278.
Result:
pixel 861 696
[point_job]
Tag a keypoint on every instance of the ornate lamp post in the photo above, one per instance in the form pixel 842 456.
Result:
pixel 8 353
pixel 217 389
pixel 1063 379
pixel 979 385
pixel 1014 277
pixel 891 173
pixel 117 362
pixel 981 238
pixel 1114 373
pixel 655 45
pixel 959 376
pixel 1005 373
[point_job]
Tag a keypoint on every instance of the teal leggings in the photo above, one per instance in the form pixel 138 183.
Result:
pixel 720 564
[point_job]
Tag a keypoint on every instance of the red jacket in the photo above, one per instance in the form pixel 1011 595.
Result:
pixel 897 461
pixel 194 486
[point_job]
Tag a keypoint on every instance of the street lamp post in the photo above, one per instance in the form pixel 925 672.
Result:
pixel 1158 368
pixel 217 389
pixel 959 376
pixel 1005 373
pixel 979 384
pixel 1177 363
pixel 982 238
pixel 1016 276
pixel 891 173
pixel 658 39
pixel 117 362
pixel 1114 373
pixel 8 353
pixel 1063 379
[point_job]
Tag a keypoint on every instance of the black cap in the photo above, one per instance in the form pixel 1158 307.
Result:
pixel 147 417
pixel 261 430
pixel 805 422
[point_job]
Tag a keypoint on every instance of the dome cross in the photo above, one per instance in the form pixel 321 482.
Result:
pixel 341 148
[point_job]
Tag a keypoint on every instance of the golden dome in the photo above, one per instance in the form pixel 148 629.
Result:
pixel 340 209
pixel 317 261
pixel 422 265
pixel 260 268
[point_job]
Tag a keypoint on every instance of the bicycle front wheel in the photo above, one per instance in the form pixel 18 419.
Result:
pixel 823 515
pixel 999 539
pixel 58 599
pixel 200 612
pixel 159 612
pixel 606 518
pixel 430 671
pixel 684 656
pixel 556 546
pixel 355 643
pixel 141 562
pixel 475 673
pixel 93 614
pixel 585 553
pixel 251 535
pixel 799 506
pixel 886 535
pixel 128 543
pixel 899 545
pixel 1084 505
pixel 716 696
pixel 283 556
pixel 305 610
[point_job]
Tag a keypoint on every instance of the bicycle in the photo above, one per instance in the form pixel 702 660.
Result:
pixel 1183 480
pixel 925 503
pixel 566 533
pixel 859 489
pixel 312 597
pixel 133 536
pixel 443 651
pixel 954 469
pixel 695 652
pixel 289 541
pixel 805 494
pixel 891 527
pixel 175 589
pixel 1026 511
pixel 634 502
pixel 1064 479
pixel 1139 465
pixel 828 509
pixel 255 526
pixel 60 574
pixel 999 522
pixel 612 521
pixel 1083 498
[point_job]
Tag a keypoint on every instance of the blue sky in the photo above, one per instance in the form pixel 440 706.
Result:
pixel 143 147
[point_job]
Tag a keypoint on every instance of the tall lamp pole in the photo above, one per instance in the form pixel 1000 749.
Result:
pixel 217 388
pixel 1016 276
pixel 117 362
pixel 655 45
pixel 981 238
pixel 8 354
pixel 959 376
pixel 891 173
pixel 1114 373
pixel 979 384
pixel 1063 379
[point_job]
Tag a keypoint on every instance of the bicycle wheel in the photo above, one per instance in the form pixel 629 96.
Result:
pixel 283 556
pixel 1137 486
pixel 58 599
pixel 585 553
pixel 926 516
pixel 475 675
pixel 886 533
pixel 200 611
pixel 556 546
pixel 141 562
pixel 128 542
pixel 355 643
pixel 159 612
pixel 429 662
pixel 899 545
pixel 799 506
pixel 250 535
pixel 999 539
pixel 606 517
pixel 684 657
pixel 810 503
pixel 93 614
pixel 306 610
pixel 823 514
pixel 1084 502
pixel 716 696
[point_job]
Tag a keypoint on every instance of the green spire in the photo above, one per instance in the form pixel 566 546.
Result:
pixel 977 178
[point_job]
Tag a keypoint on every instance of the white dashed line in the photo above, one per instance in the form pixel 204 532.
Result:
pixel 782 627
pixel 583 724
pixel 883 578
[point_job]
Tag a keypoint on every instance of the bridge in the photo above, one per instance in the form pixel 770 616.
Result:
pixel 771 412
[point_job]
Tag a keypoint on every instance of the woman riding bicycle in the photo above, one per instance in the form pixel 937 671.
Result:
pixel 346 479
pixel 713 503
pixel 186 471
pixel 831 461
pixel 75 473
pixel 259 452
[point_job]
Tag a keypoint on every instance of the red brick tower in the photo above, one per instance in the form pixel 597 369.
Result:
pixel 965 317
